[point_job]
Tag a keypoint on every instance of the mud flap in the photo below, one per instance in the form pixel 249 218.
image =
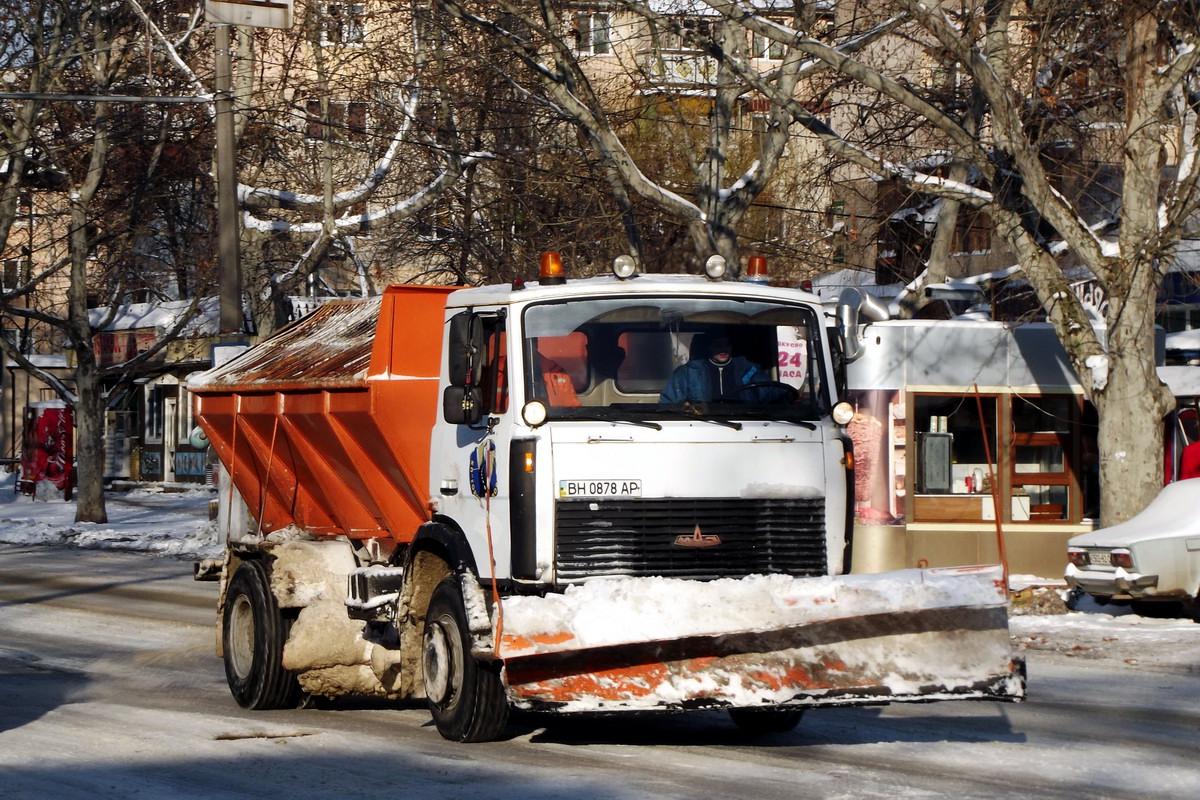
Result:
pixel 914 635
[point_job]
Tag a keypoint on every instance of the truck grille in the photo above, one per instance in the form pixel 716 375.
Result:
pixel 638 537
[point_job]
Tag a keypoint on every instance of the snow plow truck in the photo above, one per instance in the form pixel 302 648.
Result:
pixel 556 496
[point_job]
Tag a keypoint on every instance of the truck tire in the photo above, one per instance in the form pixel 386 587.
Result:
pixel 254 632
pixel 466 696
pixel 761 721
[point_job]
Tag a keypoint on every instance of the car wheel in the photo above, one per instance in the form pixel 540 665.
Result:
pixel 760 721
pixel 253 634
pixel 466 696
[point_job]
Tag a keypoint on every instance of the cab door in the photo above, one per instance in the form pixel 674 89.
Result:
pixel 471 444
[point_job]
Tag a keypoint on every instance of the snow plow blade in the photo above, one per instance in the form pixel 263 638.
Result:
pixel 653 643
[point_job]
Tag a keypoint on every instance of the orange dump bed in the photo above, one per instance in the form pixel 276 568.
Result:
pixel 327 424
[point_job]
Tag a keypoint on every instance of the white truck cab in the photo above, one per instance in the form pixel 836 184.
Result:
pixel 594 411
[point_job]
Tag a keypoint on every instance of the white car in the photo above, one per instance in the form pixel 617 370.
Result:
pixel 1151 561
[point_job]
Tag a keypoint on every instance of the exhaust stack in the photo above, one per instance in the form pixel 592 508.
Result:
pixel 853 303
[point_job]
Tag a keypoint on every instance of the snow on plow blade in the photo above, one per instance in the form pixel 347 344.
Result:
pixel 654 643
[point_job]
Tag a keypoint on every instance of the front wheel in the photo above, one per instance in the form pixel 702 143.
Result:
pixel 759 721
pixel 466 697
pixel 254 632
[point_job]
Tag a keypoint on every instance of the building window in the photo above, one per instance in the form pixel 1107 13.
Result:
pixel 436 223
pixel 593 34
pixel 155 398
pixel 345 24
pixel 766 48
pixel 356 120
pixel 973 233
pixel 347 120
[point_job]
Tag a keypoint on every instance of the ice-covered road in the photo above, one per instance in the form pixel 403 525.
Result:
pixel 110 689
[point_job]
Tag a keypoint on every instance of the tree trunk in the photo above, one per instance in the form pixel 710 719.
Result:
pixel 1131 406
pixel 1134 400
pixel 1130 441
pixel 89 447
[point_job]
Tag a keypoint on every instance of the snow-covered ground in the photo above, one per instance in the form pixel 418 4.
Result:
pixel 151 520
pixel 176 524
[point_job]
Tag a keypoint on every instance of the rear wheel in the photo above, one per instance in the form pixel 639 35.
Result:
pixel 254 632
pixel 466 696
pixel 766 720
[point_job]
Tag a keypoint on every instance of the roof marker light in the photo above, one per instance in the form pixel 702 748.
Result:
pixel 624 266
pixel 551 273
pixel 714 268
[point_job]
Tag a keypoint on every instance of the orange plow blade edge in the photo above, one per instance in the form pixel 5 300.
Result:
pixel 653 643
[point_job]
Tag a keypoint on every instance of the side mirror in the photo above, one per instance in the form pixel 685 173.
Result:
pixel 462 405
pixel 464 351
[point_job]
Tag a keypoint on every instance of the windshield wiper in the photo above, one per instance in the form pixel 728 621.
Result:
pixel 598 418
pixel 686 414
pixel 803 423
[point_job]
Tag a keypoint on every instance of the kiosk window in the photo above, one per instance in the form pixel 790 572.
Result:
pixel 1042 455
pixel 951 454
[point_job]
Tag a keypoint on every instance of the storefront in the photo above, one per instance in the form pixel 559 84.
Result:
pixel 167 453
pixel 947 411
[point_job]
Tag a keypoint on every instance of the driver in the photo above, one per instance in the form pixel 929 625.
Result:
pixel 715 375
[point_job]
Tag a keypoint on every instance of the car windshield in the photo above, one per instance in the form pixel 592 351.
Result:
pixel 662 358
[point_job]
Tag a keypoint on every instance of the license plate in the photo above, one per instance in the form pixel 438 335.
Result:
pixel 1100 558
pixel 600 488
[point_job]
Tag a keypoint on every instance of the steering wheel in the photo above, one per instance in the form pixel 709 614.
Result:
pixel 789 393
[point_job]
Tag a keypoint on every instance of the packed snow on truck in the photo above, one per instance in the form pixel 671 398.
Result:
pixel 616 494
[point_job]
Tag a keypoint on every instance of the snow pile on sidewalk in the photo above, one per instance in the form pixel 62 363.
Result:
pixel 143 520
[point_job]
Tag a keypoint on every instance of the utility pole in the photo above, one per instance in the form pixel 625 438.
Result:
pixel 226 14
pixel 228 219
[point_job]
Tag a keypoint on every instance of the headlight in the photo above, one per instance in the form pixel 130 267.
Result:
pixel 534 413
pixel 843 412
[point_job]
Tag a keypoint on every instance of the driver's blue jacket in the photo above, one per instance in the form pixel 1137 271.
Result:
pixel 701 381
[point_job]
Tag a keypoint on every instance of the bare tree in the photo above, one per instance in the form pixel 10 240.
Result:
pixel 1058 86
pixel 117 170
pixel 344 137
pixel 710 179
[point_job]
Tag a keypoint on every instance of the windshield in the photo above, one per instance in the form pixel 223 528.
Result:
pixel 658 358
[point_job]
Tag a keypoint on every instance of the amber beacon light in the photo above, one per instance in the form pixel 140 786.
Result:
pixel 756 270
pixel 551 273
